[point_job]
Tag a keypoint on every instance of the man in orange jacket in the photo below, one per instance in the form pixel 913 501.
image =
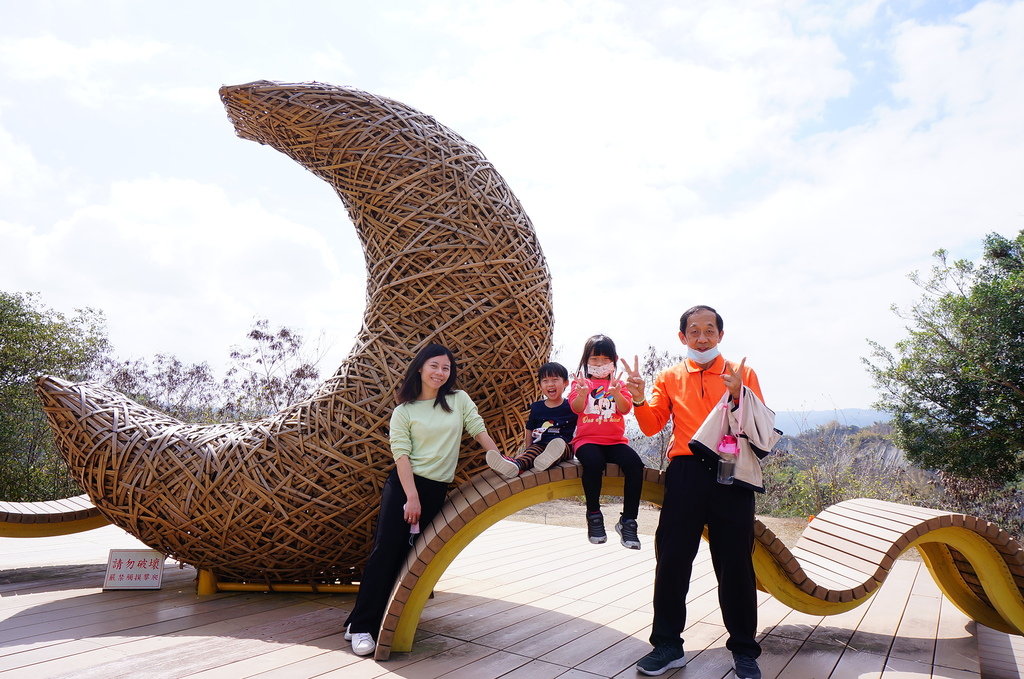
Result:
pixel 686 393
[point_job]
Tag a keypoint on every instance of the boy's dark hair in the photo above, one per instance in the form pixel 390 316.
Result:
pixel 552 370
pixel 700 307
pixel 412 384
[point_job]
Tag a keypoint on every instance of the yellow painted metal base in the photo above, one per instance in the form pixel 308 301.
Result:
pixel 209 583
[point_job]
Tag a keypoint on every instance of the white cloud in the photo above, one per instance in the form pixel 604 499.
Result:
pixel 969 59
pixel 180 269
pixel 626 107
pixel 46 57
pixel 21 174
pixel 334 61
pixel 195 98
pixel 87 71
pixel 811 257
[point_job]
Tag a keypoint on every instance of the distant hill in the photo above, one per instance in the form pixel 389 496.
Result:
pixel 793 422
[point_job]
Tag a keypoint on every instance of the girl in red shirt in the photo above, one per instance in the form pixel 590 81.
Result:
pixel 602 402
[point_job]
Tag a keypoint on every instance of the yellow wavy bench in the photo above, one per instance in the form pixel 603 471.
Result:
pixel 46 519
pixel 846 552
pixel 840 560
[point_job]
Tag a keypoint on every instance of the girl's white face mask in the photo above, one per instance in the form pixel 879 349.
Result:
pixel 702 357
pixel 601 371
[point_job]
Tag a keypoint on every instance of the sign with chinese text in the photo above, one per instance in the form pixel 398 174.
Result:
pixel 134 569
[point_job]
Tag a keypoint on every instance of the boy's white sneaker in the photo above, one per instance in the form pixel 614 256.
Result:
pixel 552 453
pixel 502 464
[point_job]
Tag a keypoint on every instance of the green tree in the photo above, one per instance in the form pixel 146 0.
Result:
pixel 36 340
pixel 955 385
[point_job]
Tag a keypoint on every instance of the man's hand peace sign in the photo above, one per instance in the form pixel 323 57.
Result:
pixel 734 378
pixel 634 380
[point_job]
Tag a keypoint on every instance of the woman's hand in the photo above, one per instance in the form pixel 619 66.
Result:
pixel 412 507
pixel 412 510
pixel 487 443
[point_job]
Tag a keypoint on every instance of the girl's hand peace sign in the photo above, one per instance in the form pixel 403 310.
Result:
pixel 634 380
pixel 616 385
pixel 580 383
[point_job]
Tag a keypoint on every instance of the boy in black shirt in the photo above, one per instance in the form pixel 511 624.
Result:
pixel 549 429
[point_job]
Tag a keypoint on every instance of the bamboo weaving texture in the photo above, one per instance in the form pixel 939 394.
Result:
pixel 451 257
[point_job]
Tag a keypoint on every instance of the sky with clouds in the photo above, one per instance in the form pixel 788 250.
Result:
pixel 789 163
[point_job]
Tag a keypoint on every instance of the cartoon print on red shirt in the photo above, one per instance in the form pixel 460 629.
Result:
pixel 600 421
pixel 601 403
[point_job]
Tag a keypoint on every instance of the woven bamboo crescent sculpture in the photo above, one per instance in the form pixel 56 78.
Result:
pixel 451 257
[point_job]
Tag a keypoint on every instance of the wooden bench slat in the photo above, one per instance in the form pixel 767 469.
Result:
pixel 822 559
pixel 863 559
pixel 856 517
pixel 850 534
pixel 894 508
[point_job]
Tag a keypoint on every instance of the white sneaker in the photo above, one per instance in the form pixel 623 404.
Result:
pixel 552 453
pixel 362 642
pixel 348 632
pixel 502 464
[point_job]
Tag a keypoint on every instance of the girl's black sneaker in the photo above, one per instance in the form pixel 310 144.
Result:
pixel 595 528
pixel 626 528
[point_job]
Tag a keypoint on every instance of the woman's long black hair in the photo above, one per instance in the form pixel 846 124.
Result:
pixel 412 384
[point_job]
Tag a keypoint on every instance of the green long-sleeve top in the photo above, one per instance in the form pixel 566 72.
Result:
pixel 430 437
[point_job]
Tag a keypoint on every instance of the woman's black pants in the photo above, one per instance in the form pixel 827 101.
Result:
pixel 391 545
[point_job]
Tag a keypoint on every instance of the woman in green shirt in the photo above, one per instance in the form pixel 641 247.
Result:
pixel 426 430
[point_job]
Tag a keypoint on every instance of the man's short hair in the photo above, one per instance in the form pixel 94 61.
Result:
pixel 552 370
pixel 700 307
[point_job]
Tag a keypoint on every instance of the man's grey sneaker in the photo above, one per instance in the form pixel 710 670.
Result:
pixel 552 453
pixel 626 528
pixel 501 464
pixel 746 666
pixel 595 528
pixel 661 659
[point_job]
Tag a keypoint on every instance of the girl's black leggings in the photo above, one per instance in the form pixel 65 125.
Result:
pixel 594 457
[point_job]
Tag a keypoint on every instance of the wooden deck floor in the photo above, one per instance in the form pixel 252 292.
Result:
pixel 523 601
